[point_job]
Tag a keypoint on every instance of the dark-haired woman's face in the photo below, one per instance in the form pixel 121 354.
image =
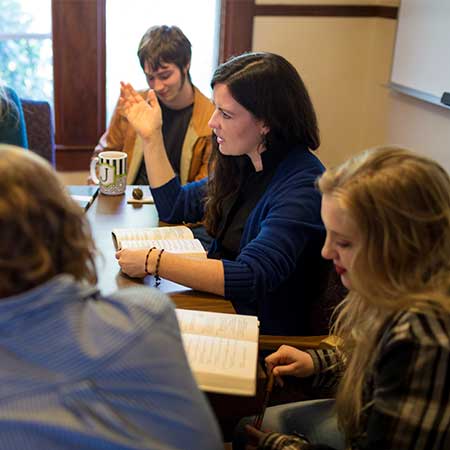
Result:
pixel 237 131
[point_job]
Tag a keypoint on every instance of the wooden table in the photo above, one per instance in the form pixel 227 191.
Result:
pixel 108 212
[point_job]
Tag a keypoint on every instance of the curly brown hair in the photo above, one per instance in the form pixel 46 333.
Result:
pixel 43 231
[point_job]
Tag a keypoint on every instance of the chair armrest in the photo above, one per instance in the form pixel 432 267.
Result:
pixel 268 342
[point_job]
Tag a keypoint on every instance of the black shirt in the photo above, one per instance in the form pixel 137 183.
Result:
pixel 237 208
pixel 175 125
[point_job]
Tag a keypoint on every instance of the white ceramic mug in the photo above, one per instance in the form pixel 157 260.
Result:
pixel 112 171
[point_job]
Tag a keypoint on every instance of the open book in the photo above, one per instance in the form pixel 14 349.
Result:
pixel 222 350
pixel 178 239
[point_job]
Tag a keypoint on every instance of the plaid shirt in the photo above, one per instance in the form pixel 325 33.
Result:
pixel 407 394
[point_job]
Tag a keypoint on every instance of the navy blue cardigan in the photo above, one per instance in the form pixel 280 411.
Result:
pixel 278 271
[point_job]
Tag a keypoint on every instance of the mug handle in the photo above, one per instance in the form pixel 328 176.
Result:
pixel 94 178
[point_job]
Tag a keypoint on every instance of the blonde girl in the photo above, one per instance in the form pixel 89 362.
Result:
pixel 387 215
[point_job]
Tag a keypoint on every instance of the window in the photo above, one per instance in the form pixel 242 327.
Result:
pixel 127 21
pixel 26 48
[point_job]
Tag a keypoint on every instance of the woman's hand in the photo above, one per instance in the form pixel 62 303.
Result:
pixel 254 437
pixel 132 261
pixel 144 116
pixel 289 361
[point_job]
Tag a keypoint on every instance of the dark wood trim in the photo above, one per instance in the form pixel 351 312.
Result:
pixel 101 68
pixel 327 10
pixel 236 27
pixel 69 148
pixel 73 158
pixel 387 12
pixel 79 56
pixel 237 17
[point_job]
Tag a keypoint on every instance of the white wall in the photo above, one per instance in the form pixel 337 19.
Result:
pixel 419 125
pixel 346 65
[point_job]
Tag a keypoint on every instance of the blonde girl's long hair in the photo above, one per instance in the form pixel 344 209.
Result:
pixel 43 231
pixel 400 202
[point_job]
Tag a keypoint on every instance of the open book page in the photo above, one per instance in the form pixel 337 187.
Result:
pixel 234 326
pixel 222 350
pixel 222 365
pixel 177 239
pixel 155 233
pixel 191 247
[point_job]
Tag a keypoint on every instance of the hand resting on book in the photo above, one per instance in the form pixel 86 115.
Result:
pixel 133 260
pixel 133 244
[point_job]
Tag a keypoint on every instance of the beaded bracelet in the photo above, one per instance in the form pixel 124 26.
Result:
pixel 146 260
pixel 157 277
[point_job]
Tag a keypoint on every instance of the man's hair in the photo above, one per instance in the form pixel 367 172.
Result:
pixel 43 231
pixel 164 44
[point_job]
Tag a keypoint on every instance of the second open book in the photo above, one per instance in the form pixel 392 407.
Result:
pixel 222 350
pixel 177 239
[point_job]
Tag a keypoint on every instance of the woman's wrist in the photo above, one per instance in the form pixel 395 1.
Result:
pixel 278 440
pixel 153 264
pixel 315 368
pixel 147 257
pixel 157 266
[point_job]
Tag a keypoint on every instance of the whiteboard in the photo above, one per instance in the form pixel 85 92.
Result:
pixel 422 48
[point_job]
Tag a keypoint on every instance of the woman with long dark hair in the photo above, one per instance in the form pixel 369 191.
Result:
pixel 259 203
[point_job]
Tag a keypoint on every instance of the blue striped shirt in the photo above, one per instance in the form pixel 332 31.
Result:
pixel 82 371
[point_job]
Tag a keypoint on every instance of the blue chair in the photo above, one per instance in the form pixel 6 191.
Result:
pixel 40 130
